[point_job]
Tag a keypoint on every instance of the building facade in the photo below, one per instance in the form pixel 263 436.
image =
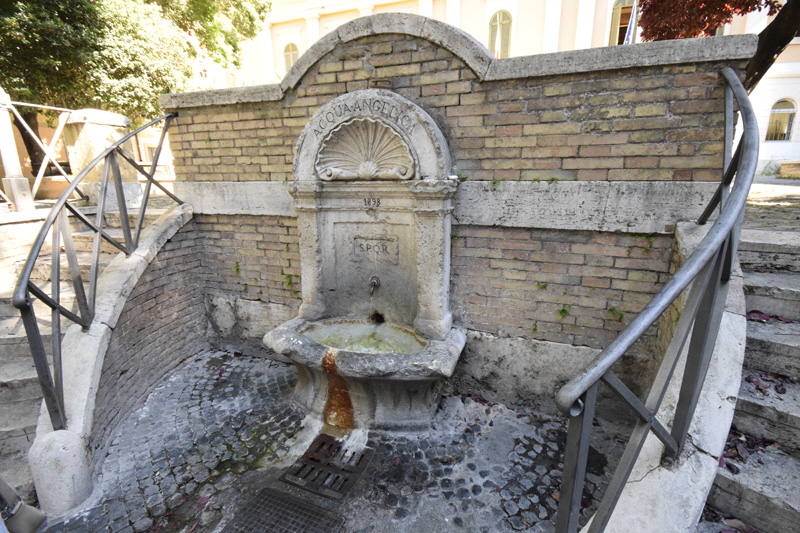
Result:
pixel 511 28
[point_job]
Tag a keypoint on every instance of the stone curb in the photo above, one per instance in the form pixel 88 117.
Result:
pixel 83 354
pixel 674 496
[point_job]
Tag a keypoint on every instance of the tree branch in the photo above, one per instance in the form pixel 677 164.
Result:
pixel 772 41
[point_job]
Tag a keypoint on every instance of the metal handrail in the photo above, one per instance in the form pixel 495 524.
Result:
pixel 707 271
pixel 57 223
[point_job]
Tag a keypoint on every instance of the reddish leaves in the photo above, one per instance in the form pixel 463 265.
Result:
pixel 679 19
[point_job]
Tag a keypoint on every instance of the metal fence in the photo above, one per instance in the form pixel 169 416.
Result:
pixel 57 225
pixel 706 273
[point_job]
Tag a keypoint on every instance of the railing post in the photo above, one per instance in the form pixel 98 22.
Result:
pixel 701 348
pixel 576 455
pixel 54 407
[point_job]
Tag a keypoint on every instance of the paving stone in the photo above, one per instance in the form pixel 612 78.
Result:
pixel 485 469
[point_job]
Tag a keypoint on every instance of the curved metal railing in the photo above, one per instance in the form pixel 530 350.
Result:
pixel 58 226
pixel 708 272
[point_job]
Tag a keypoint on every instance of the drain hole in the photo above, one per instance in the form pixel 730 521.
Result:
pixel 377 318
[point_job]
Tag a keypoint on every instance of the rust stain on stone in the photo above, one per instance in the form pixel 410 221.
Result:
pixel 338 406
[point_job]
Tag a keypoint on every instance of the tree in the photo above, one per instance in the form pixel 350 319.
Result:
pixel 219 25
pixel 678 19
pixel 45 48
pixel 118 55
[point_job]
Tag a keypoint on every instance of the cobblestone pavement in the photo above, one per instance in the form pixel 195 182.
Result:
pixel 773 204
pixel 222 428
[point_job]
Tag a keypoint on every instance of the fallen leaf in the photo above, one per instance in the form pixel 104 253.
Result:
pixel 757 316
pixel 738 525
pixel 732 467
pixel 780 389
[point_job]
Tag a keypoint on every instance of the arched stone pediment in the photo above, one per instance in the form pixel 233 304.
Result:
pixel 371 134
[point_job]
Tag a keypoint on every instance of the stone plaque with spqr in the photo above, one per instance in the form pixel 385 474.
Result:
pixel 384 248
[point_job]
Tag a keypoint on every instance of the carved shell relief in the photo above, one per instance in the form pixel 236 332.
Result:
pixel 364 149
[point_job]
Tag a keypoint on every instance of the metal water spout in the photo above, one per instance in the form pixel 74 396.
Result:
pixel 374 283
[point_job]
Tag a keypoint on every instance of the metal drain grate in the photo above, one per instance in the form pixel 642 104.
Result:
pixel 328 468
pixel 274 512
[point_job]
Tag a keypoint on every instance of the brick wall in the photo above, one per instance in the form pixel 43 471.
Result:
pixel 577 287
pixel 635 124
pixel 650 123
pixel 162 324
pixel 252 257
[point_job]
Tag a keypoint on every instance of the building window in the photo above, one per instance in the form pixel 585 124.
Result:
pixel 781 119
pixel 290 55
pixel 620 20
pixel 500 34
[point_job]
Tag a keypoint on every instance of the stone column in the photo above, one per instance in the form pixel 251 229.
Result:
pixel 426 8
pixel 434 199
pixel 87 134
pixel 16 187
pixel 552 26
pixel 452 13
pixel 305 195
pixel 312 30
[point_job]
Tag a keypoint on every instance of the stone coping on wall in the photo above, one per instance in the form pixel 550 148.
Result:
pixel 617 206
pixel 478 58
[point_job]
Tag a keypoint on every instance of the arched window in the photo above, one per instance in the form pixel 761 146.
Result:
pixel 781 119
pixel 500 34
pixel 620 20
pixel 290 55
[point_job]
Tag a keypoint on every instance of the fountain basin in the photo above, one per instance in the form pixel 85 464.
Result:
pixel 355 373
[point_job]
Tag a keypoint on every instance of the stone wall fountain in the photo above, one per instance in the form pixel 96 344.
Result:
pixel 375 338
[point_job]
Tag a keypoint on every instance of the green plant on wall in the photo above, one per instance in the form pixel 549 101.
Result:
pixel 647 237
pixel 290 281
pixel 535 328
pixel 616 314
pixel 236 268
pixel 563 312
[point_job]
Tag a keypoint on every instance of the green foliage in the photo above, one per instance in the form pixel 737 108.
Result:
pixel 219 25
pixel 563 312
pixel 142 56
pixel 46 48
pixel 535 328
pixel 236 268
pixel 118 55
pixel 541 284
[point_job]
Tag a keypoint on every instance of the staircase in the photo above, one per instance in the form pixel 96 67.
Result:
pixel 20 394
pixel 758 483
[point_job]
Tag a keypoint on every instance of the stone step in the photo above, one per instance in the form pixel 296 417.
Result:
pixel 769 250
pixel 776 294
pixel 42 272
pixel 763 494
pixel 114 220
pixel 84 240
pixel 15 416
pixel 17 431
pixel 18 380
pixel 14 341
pixel 773 347
pixel 67 299
pixel 767 414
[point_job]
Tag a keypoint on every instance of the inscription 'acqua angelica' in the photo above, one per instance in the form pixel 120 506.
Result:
pixel 360 106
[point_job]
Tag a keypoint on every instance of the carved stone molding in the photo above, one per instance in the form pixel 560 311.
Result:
pixel 364 149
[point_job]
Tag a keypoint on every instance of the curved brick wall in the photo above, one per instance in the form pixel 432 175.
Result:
pixel 162 324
